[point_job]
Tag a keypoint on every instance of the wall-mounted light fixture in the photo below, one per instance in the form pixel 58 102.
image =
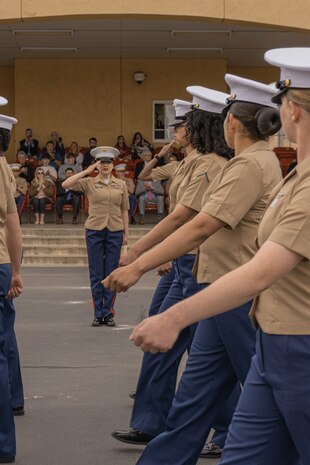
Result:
pixel 139 77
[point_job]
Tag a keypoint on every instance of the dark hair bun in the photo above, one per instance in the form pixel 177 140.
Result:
pixel 268 121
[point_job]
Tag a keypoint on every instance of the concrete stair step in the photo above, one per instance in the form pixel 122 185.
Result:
pixel 52 251
pixel 47 260
pixel 63 245
pixel 71 233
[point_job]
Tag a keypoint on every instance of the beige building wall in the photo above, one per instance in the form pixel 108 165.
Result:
pixel 84 97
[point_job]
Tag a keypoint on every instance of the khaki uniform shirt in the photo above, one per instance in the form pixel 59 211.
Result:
pixel 168 172
pixel 191 179
pixel 284 307
pixel 7 206
pixel 238 196
pixel 21 186
pixel 106 202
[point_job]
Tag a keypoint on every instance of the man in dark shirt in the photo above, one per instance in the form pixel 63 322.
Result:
pixel 29 145
pixel 88 159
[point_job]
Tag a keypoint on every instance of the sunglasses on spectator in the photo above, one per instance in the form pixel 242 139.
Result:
pixel 40 172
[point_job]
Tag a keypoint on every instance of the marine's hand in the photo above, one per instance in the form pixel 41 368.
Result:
pixel 165 149
pixel 16 287
pixel 92 167
pixel 155 334
pixel 163 270
pixel 128 258
pixel 122 279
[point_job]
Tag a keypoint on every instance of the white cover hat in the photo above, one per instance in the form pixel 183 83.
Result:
pixel 246 90
pixel 3 101
pixel 208 100
pixel 295 68
pixel 181 108
pixel 121 167
pixel 15 166
pixel 6 122
pixel 105 153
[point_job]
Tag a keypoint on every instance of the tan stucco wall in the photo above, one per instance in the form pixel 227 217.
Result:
pixel 276 12
pixel 85 97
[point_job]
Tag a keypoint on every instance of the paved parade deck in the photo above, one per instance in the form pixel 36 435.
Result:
pixel 76 378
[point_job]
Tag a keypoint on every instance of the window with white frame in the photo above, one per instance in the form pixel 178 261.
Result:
pixel 163 116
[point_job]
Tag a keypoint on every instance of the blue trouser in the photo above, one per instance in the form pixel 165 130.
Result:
pixel 19 201
pixel 158 375
pixel 104 250
pixel 271 425
pixel 7 427
pixel 220 355
pixel 132 204
pixel 161 291
pixel 15 377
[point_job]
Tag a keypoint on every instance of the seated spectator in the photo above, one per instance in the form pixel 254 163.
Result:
pixel 139 145
pixel 150 193
pixel 88 158
pixel 58 144
pixel 70 163
pixel 48 168
pixel 124 156
pixel 56 158
pixel 26 169
pixel 146 158
pixel 120 172
pixel 40 194
pixel 122 147
pixel 29 145
pixel 21 186
pixel 67 197
pixel 79 156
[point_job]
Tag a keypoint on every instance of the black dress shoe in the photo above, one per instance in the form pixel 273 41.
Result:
pixel 132 395
pixel 10 459
pixel 97 321
pixel 18 411
pixel 132 436
pixel 108 321
pixel 211 451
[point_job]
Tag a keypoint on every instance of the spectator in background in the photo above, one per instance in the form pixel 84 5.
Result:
pixel 150 193
pixel 21 187
pixel 26 168
pixel 124 156
pixel 139 145
pixel 40 193
pixel 70 163
pixel 120 172
pixel 79 156
pixel 48 168
pixel 58 144
pixel 146 158
pixel 29 145
pixel 56 158
pixel 67 197
pixel 122 147
pixel 88 159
